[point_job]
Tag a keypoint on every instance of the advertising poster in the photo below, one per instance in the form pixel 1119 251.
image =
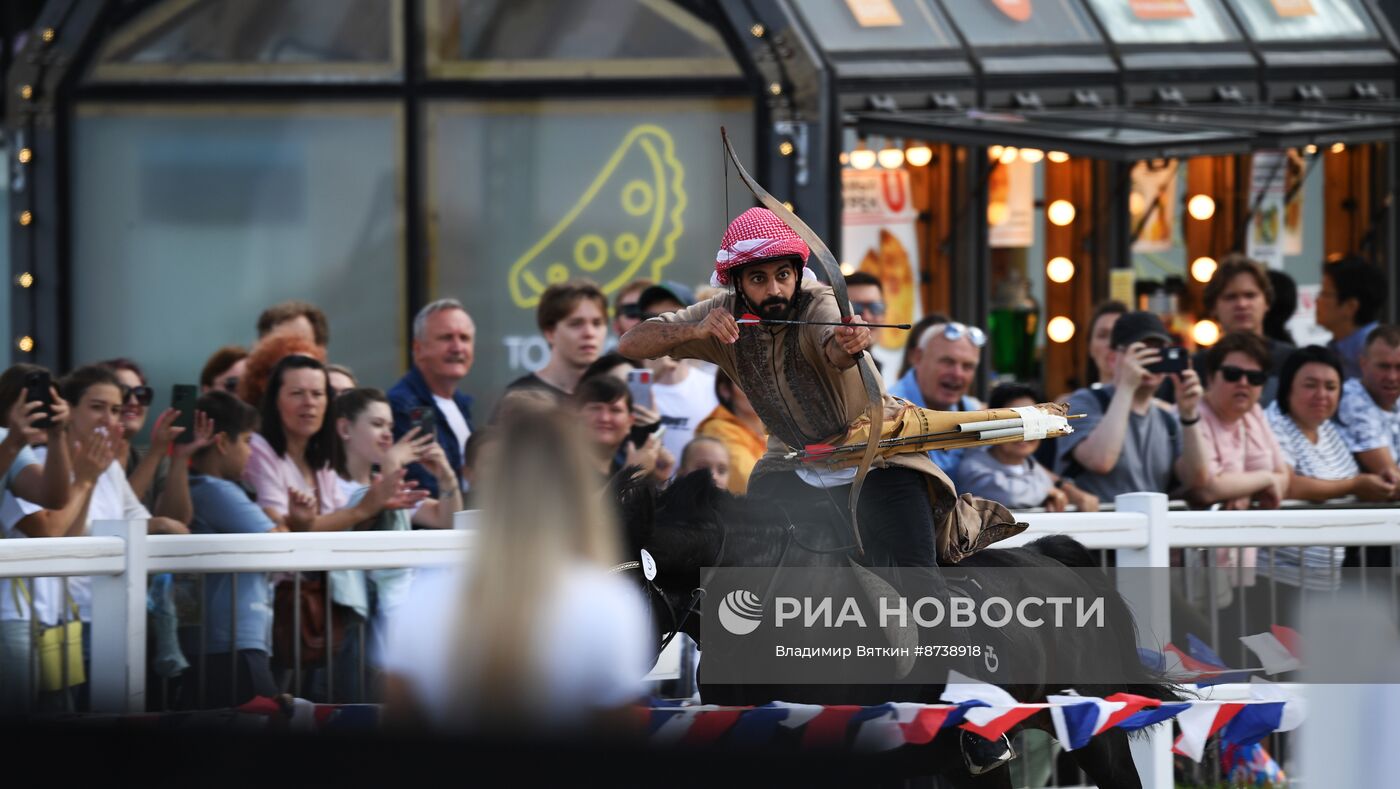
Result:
pixel 1154 191
pixel 1268 177
pixel 1293 210
pixel 879 237
pixel 1011 205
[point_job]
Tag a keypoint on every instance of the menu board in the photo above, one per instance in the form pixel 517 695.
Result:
pixel 994 23
pixel 876 25
pixel 1298 20
pixel 1165 21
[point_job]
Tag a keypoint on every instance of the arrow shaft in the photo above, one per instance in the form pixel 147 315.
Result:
pixel 824 323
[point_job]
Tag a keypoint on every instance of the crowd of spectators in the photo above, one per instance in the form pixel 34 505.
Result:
pixel 283 440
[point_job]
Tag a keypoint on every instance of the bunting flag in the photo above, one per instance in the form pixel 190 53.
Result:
pixel 1277 649
pixel 986 710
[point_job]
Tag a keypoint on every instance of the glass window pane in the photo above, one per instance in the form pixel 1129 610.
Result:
pixel 8 347
pixel 857 25
pixel 526 193
pixel 1165 21
pixel 1292 20
pixel 263 40
pixel 580 39
pixel 188 223
pixel 1019 22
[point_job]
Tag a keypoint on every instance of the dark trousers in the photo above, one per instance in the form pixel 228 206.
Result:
pixel 229 679
pixel 896 517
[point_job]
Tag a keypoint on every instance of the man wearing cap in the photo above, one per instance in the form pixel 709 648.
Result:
pixel 1127 442
pixel 682 393
pixel 803 382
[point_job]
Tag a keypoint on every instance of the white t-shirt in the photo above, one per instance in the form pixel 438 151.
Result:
pixel 594 643
pixel 112 499
pixel 683 406
pixel 47 592
pixel 456 421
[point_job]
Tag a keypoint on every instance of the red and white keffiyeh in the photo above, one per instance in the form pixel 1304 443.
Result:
pixel 756 234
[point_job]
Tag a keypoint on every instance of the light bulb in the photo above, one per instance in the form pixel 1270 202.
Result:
pixel 1203 268
pixel 997 213
pixel 786 148
pixel 1201 207
pixel 1060 329
pixel 1338 147
pixel 994 152
pixel 1032 155
pixel 26 343
pixel 1008 155
pixel 891 158
pixel 24 280
pixel 1205 332
pixel 847 269
pixel 1060 212
pixel 918 155
pixel 1310 150
pixel 1137 204
pixel 863 158
pixel 844 158
pixel 1060 269
pixel 1058 157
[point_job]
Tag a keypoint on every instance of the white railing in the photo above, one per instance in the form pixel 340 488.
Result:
pixel 120 556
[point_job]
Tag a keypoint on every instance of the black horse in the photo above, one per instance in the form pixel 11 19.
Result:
pixel 693 525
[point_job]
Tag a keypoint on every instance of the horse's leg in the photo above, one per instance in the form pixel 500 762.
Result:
pixel 1108 761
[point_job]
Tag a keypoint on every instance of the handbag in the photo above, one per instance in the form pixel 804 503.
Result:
pixel 312 636
pixel 60 646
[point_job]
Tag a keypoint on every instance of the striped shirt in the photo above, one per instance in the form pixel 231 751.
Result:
pixel 1328 459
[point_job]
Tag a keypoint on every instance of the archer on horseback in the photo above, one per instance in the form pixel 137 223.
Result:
pixel 804 381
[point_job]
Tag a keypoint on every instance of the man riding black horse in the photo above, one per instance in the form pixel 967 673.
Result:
pixel 803 381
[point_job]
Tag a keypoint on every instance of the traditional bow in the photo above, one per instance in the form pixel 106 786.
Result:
pixel 874 408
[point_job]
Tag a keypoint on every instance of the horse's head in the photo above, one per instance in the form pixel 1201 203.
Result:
pixel 680 529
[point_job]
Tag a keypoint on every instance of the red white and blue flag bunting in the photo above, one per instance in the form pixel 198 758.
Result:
pixel 980 708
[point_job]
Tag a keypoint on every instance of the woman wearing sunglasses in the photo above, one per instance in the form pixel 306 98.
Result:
pixel 145 471
pixel 1246 464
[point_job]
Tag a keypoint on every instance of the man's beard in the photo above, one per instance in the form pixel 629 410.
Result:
pixel 774 307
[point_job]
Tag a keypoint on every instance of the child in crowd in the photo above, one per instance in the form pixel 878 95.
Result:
pixel 706 452
pixel 1009 473
pixel 237 607
pixel 364 427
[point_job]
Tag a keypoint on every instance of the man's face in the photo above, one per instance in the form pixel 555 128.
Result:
pixel 946 370
pixel 448 345
pixel 769 286
pixel 1150 381
pixel 1241 306
pixel 1332 314
pixel 869 303
pixel 1380 372
pixel 627 313
pixel 578 338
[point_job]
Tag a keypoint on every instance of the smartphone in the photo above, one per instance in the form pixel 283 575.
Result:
pixel 639 434
pixel 37 387
pixel 183 398
pixel 1175 359
pixel 425 419
pixel 639 383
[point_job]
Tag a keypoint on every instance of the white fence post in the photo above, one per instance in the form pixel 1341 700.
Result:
pixel 1148 592
pixel 118 673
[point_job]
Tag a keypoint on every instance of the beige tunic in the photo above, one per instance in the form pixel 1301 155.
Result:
pixel 803 399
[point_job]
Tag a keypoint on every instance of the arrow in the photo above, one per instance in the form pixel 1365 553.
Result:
pixel 748 318
pixel 1002 435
